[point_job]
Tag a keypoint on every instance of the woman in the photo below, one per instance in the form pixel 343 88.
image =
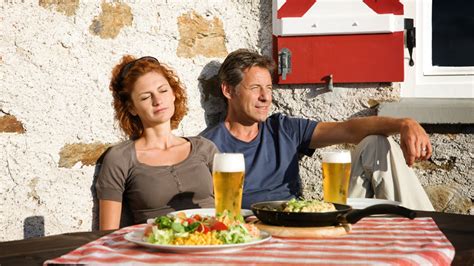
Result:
pixel 155 172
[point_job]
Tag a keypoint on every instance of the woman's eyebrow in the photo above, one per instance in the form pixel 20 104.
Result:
pixel 145 92
pixel 159 87
pixel 163 85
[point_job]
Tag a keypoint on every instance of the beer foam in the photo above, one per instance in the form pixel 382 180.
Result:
pixel 338 156
pixel 229 162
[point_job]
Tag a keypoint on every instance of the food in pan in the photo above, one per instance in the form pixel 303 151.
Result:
pixel 295 205
pixel 200 230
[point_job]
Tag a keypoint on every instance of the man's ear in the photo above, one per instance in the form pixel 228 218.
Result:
pixel 226 90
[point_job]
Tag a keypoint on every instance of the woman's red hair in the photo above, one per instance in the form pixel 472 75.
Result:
pixel 122 84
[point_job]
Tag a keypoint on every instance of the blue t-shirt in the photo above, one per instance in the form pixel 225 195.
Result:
pixel 271 159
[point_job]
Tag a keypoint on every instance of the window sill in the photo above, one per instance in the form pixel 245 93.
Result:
pixel 431 111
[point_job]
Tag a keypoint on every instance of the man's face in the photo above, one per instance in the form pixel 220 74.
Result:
pixel 252 98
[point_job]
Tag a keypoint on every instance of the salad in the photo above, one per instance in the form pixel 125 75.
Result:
pixel 200 230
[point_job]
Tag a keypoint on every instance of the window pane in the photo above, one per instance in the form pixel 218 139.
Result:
pixel 453 33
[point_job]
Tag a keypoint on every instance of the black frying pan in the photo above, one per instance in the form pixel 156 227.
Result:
pixel 271 212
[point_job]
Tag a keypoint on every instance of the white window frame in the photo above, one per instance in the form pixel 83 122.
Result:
pixel 423 80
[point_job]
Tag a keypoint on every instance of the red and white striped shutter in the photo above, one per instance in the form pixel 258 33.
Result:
pixel 352 40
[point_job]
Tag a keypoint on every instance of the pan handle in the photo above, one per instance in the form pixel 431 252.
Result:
pixel 355 215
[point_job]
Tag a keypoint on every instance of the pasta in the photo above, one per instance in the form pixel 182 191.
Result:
pixel 308 206
pixel 197 238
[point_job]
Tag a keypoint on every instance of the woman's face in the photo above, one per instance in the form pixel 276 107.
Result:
pixel 152 99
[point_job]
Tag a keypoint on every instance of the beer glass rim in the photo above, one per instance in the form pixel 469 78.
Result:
pixel 336 156
pixel 231 162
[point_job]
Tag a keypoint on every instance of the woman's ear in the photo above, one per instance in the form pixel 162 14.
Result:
pixel 132 111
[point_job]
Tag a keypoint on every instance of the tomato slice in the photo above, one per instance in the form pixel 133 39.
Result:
pixel 202 228
pixel 218 226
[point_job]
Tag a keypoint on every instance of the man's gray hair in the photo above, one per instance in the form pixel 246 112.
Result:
pixel 231 70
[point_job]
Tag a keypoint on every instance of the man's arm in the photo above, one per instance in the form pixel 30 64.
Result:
pixel 415 143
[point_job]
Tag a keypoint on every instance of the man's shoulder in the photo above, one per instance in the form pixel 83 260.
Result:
pixel 288 119
pixel 280 120
pixel 276 117
pixel 212 131
pixel 290 125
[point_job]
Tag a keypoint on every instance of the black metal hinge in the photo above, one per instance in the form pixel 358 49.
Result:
pixel 284 62
pixel 410 38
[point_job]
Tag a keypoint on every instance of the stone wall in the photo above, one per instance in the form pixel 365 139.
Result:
pixel 56 117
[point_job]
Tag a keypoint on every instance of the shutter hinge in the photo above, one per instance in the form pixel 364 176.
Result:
pixel 284 62
pixel 410 38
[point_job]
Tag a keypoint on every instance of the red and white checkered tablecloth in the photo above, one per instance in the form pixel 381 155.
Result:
pixel 380 241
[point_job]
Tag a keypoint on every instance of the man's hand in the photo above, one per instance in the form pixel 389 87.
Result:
pixel 415 143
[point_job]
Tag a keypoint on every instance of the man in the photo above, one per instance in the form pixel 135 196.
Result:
pixel 271 145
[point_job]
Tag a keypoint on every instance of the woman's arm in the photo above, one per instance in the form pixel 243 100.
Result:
pixel 109 214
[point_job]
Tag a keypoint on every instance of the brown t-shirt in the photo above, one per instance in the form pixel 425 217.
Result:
pixel 152 191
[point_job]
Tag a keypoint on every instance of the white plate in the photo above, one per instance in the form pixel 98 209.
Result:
pixel 203 212
pixel 137 238
pixel 361 203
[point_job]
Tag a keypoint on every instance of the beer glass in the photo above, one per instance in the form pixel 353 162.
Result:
pixel 228 177
pixel 336 175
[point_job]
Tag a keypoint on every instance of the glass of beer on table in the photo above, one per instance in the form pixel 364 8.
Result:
pixel 336 175
pixel 228 172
